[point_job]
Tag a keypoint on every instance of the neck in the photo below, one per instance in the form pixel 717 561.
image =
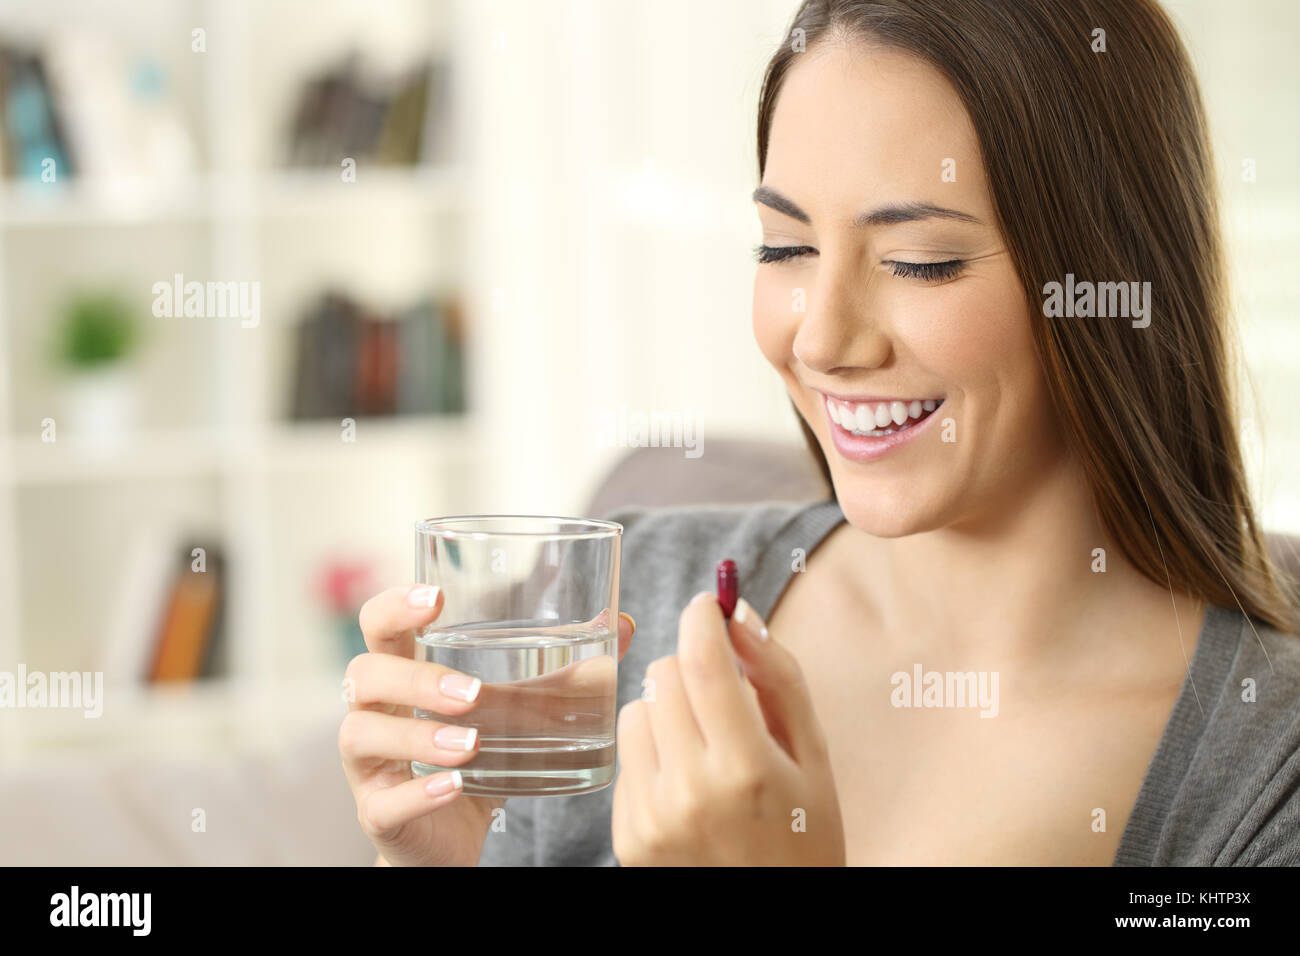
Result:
pixel 1018 582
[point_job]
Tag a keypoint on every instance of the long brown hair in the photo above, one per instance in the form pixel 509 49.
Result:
pixel 1099 166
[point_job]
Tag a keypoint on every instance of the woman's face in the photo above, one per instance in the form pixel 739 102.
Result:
pixel 914 306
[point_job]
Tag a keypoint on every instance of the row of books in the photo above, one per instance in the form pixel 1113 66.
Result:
pixel 352 361
pixel 168 625
pixel 77 107
pixel 347 113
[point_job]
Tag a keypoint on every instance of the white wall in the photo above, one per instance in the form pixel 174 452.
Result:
pixel 613 157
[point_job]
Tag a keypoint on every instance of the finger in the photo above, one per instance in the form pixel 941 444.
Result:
pixel 708 671
pixel 634 745
pixel 379 681
pixel 575 699
pixel 383 811
pixel 626 628
pixel 677 738
pixel 390 618
pixel 778 681
pixel 587 678
pixel 369 739
pixel 632 790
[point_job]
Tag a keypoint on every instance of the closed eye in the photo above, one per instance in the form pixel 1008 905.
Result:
pixel 780 253
pixel 923 271
pixel 927 271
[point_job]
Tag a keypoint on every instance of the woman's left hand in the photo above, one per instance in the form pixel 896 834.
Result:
pixel 714 773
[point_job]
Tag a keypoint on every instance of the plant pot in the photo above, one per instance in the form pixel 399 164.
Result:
pixel 99 405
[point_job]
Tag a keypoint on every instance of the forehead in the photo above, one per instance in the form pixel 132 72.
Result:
pixel 854 122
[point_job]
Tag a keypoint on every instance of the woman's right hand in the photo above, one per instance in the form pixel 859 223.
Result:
pixel 429 821
pixel 412 821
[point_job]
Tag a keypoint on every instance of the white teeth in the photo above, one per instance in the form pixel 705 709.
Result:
pixel 870 419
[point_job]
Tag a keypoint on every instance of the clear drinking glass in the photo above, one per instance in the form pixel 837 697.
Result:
pixel 531 609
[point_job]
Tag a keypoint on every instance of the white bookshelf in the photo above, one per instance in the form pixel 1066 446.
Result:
pixel 214 448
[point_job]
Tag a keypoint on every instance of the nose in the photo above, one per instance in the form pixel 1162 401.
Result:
pixel 838 333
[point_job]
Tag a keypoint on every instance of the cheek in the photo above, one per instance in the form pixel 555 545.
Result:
pixel 976 336
pixel 774 318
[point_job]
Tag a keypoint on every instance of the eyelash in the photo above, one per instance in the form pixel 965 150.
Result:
pixel 925 271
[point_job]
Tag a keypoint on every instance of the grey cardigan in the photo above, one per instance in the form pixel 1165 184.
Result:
pixel 1222 789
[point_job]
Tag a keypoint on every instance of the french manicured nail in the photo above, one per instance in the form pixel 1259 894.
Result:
pixel 630 619
pixel 460 686
pixel 748 618
pixel 422 596
pixel 456 738
pixel 441 783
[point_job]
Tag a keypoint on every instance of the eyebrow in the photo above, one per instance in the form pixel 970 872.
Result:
pixel 884 216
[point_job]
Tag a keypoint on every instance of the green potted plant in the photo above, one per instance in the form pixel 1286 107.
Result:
pixel 96 335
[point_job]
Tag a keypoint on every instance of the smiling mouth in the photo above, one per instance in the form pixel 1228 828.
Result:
pixel 877 419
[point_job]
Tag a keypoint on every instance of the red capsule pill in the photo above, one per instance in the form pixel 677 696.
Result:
pixel 728 586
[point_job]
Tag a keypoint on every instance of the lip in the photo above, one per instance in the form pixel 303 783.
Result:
pixel 868 447
pixel 862 399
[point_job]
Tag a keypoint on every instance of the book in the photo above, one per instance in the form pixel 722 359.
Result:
pixel 33 128
pixel 376 382
pixel 325 376
pixel 418 376
pixel 188 625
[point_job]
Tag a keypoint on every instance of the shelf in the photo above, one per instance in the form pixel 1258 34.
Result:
pixel 121 203
pixel 446 438
pixel 161 454
pixel 303 193
pixel 293 193
pixel 184 453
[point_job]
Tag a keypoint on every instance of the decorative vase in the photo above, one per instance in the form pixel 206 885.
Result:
pixel 99 405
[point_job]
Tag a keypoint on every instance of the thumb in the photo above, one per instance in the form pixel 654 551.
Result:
pixel 783 694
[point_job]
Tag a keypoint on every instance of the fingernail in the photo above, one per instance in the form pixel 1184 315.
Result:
pixel 422 596
pixel 748 618
pixel 456 738
pixel 460 686
pixel 444 783
pixel 630 619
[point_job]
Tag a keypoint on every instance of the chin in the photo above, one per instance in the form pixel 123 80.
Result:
pixel 883 516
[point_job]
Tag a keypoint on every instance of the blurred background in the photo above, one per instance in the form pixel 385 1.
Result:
pixel 454 242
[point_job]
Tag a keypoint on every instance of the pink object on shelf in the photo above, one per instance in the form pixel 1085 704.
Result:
pixel 345 585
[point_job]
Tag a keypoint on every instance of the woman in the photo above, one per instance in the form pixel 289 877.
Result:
pixel 1039 513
